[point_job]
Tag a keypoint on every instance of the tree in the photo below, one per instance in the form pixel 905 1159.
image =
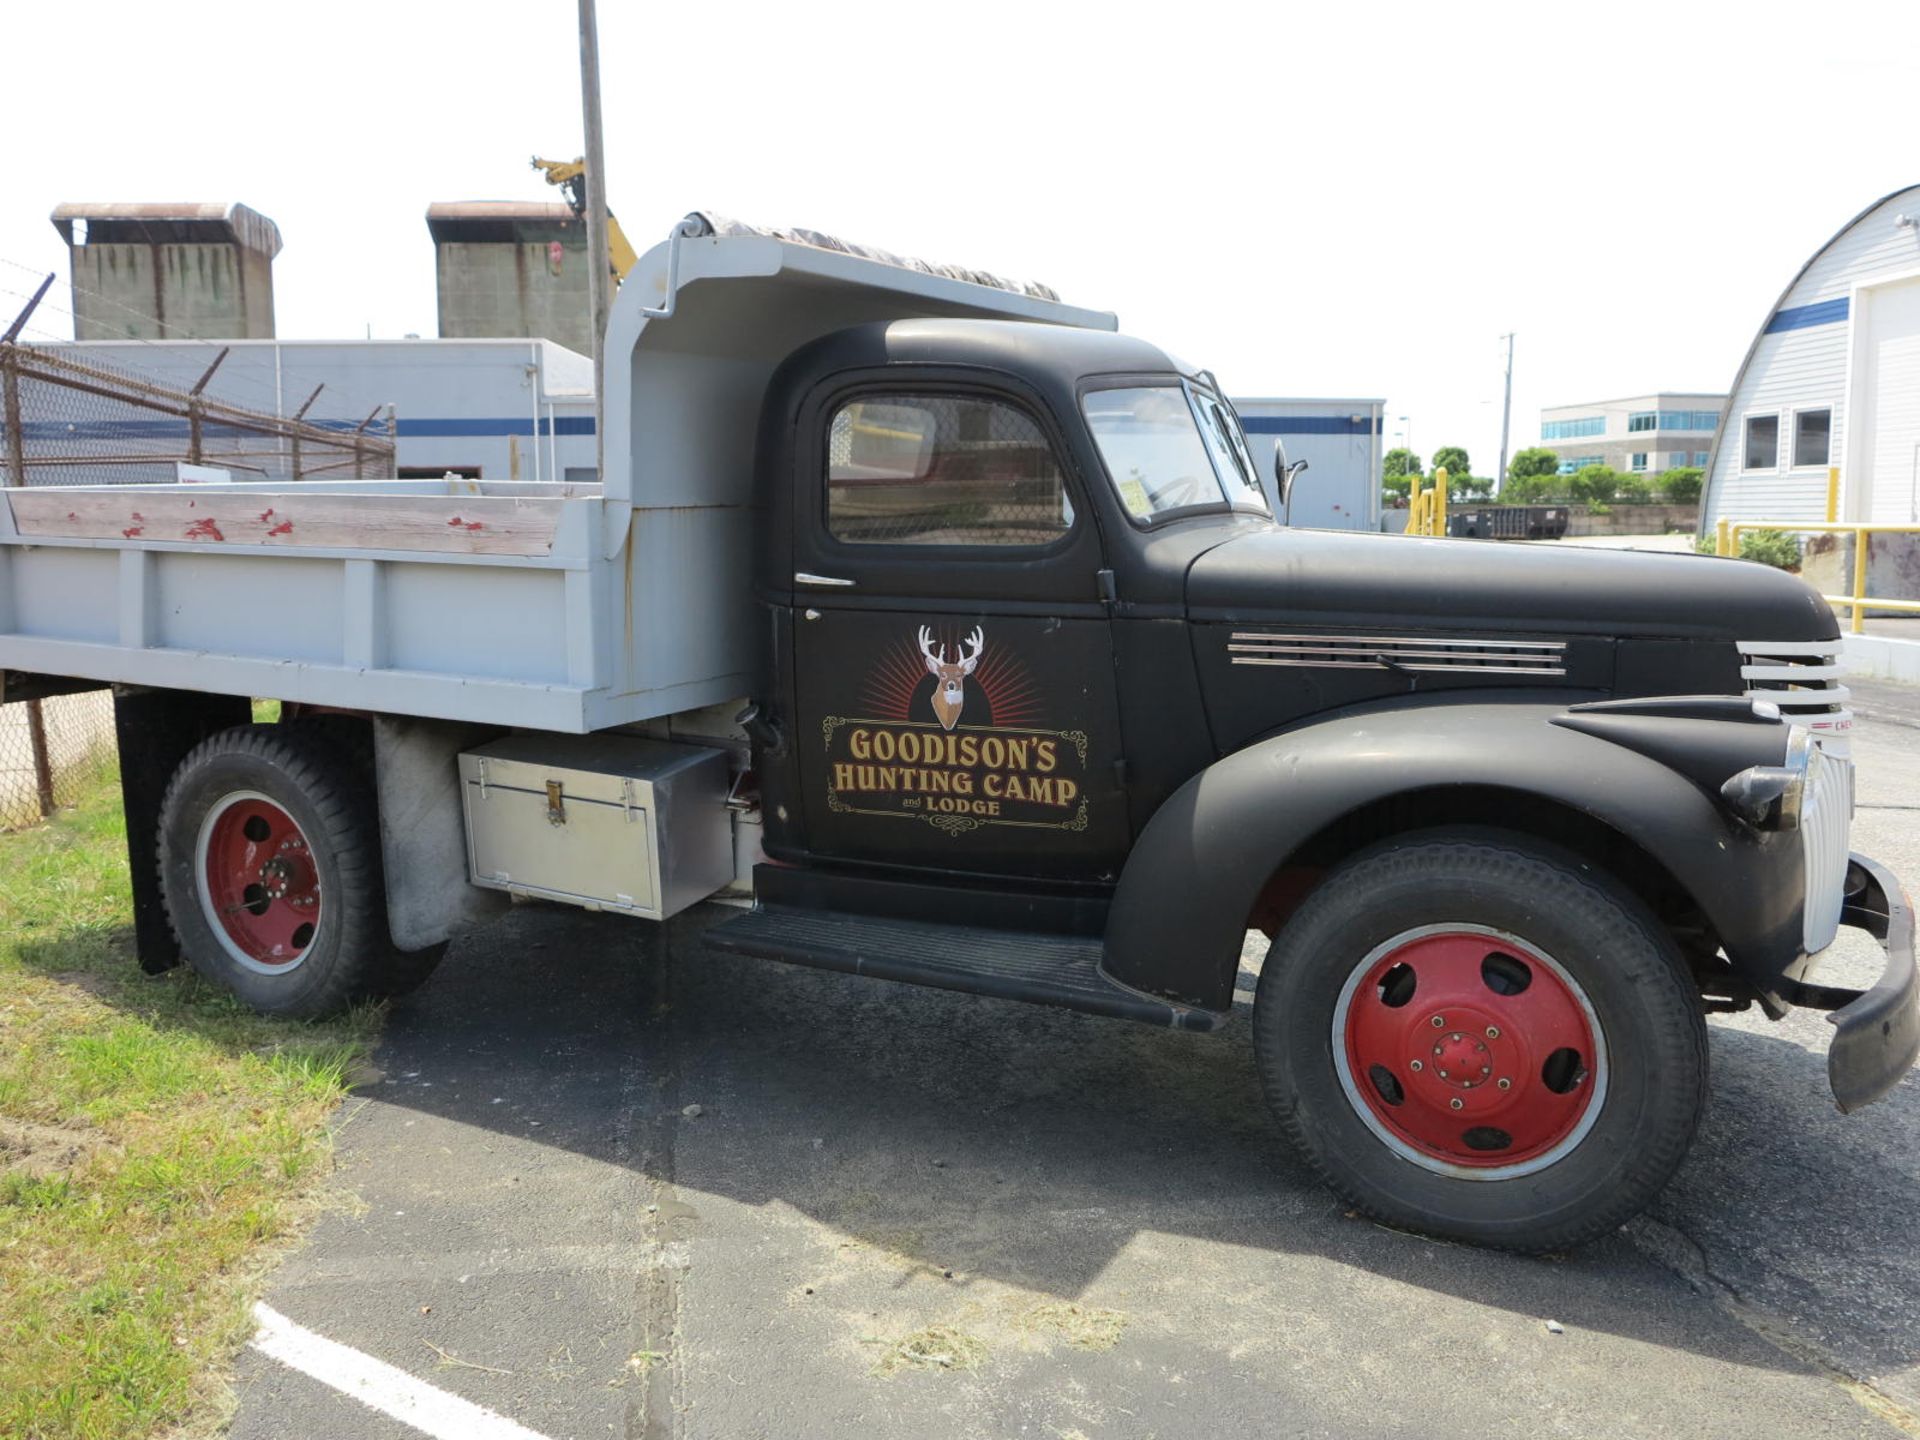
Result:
pixel 1455 459
pixel 1400 462
pixel 1633 490
pixel 1536 461
pixel 1532 489
pixel 1681 485
pixel 1595 484
pixel 1465 487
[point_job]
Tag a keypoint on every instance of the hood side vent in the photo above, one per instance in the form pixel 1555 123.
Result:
pixel 1399 652
pixel 1804 679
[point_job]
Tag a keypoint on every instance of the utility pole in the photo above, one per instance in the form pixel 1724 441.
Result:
pixel 1506 417
pixel 598 264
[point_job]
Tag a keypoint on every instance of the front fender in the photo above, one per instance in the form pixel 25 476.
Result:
pixel 1180 912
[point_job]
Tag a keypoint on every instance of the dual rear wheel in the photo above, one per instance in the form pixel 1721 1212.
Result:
pixel 270 867
pixel 1483 1039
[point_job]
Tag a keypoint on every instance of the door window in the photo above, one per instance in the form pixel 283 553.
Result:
pixel 942 470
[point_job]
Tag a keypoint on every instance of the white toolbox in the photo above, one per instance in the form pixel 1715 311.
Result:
pixel 611 822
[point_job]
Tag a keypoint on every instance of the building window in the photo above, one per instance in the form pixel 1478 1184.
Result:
pixel 1642 420
pixel 1639 460
pixel 1573 429
pixel 1812 430
pixel 1689 419
pixel 1700 457
pixel 1577 463
pixel 1763 443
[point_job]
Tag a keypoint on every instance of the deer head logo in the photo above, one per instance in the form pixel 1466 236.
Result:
pixel 950 680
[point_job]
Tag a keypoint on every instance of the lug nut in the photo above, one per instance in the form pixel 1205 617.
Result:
pixel 1493 1032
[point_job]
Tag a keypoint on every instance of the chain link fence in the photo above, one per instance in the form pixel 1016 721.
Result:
pixel 49 750
pixel 75 419
pixel 70 417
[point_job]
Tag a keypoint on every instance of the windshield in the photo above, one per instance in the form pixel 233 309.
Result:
pixel 1169 448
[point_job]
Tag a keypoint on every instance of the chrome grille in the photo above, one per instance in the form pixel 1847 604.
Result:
pixel 1398 652
pixel 1802 677
pixel 1825 811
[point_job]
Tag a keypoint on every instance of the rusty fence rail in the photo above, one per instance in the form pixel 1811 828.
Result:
pixel 74 421
pixel 74 418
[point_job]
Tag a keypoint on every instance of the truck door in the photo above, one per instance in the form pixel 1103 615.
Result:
pixel 953 667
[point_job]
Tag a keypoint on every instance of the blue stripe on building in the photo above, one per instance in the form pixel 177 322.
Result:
pixel 515 425
pixel 1799 317
pixel 1309 425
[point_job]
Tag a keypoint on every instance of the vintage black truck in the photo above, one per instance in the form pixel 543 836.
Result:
pixel 949 634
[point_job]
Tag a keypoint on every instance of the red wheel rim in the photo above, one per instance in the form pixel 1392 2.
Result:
pixel 259 884
pixel 1470 1052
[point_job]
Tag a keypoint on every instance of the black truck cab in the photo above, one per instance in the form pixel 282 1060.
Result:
pixel 1053 709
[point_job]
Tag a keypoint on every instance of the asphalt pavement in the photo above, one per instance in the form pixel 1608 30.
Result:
pixel 607 1182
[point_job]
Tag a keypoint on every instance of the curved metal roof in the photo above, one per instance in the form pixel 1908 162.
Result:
pixel 1746 361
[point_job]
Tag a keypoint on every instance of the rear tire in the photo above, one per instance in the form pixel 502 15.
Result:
pixel 1481 1039
pixel 271 874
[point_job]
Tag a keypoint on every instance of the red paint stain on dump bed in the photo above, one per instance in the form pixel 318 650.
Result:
pixel 285 527
pixel 204 530
pixel 266 515
pixel 72 516
pixel 131 531
pixel 466 524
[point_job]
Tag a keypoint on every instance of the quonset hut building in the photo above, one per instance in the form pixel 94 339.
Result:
pixel 1833 379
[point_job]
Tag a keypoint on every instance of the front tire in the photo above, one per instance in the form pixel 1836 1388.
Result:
pixel 270 870
pixel 1482 1039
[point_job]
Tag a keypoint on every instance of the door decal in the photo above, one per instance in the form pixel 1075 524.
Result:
pixel 951 741
pixel 949 696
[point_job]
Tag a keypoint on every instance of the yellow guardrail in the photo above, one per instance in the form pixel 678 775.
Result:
pixel 1427 508
pixel 1726 541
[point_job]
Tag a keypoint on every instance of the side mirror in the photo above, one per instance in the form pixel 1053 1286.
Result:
pixel 1285 474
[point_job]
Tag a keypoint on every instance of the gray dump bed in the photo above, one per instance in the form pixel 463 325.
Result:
pixel 548 606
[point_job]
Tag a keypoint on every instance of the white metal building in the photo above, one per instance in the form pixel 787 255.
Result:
pixel 487 409
pixel 1833 378
pixel 1339 440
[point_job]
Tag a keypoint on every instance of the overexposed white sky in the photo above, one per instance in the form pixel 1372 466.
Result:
pixel 1347 199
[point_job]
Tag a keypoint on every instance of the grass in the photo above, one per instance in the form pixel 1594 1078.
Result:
pixel 938 1347
pixel 1084 1327
pixel 158 1143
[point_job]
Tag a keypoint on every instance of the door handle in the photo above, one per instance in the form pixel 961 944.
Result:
pixel 829 582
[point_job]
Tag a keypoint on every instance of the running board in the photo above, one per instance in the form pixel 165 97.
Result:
pixel 1062 970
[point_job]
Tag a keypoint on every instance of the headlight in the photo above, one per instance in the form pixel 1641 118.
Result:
pixel 1768 797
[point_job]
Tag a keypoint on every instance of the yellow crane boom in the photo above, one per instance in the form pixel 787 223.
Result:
pixel 571 177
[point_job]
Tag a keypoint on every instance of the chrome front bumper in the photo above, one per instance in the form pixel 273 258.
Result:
pixel 1876 1032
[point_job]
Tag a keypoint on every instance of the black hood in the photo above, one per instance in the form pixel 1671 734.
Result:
pixel 1336 579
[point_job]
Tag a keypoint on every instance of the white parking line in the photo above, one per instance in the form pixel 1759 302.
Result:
pixel 374 1383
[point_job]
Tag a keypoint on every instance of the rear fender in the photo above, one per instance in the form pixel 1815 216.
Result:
pixel 1193 879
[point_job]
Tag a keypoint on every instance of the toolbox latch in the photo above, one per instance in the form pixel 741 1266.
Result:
pixel 556 806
